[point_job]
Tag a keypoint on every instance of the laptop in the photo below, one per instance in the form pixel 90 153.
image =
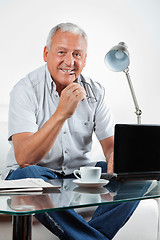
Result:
pixel 137 152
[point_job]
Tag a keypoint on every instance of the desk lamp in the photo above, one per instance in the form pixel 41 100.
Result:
pixel 118 60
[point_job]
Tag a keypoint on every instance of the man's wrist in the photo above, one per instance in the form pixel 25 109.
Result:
pixel 59 116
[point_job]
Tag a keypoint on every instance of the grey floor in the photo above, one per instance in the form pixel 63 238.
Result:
pixel 39 232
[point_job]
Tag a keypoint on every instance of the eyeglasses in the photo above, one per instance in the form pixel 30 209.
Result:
pixel 90 95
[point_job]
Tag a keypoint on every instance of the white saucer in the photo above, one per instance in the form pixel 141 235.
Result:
pixel 100 183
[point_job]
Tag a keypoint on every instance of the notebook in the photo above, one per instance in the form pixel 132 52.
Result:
pixel 137 151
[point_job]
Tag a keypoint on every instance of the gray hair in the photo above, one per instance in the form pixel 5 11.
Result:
pixel 65 27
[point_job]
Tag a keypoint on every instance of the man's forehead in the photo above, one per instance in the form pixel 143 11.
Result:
pixel 62 39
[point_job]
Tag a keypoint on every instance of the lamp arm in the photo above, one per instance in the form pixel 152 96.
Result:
pixel 138 111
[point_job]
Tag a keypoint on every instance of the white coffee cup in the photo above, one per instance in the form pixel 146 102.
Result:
pixel 88 174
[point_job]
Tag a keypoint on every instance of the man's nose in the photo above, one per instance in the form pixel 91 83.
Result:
pixel 69 59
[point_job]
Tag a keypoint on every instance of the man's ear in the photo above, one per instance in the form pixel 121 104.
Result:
pixel 45 53
pixel 85 60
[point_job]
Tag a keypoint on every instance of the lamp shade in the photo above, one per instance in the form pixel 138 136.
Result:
pixel 117 59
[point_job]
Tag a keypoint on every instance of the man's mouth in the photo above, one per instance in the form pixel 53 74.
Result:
pixel 70 71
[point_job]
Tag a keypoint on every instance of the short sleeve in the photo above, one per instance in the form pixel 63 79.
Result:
pixel 22 111
pixel 104 123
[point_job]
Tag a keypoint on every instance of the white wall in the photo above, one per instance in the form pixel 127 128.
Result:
pixel 24 27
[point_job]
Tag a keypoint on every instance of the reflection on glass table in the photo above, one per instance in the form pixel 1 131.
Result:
pixel 70 195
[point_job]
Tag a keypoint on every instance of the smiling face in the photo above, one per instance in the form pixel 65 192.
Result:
pixel 66 57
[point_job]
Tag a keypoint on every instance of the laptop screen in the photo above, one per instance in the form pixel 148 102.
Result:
pixel 136 148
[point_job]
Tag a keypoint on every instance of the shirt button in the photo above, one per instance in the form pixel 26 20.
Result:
pixel 66 151
pixel 85 123
pixel 64 132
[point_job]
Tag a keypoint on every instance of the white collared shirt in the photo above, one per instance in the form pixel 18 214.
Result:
pixel 34 100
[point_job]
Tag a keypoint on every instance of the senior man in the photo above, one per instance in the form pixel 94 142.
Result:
pixel 53 113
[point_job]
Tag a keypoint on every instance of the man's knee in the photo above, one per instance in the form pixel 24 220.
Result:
pixel 103 165
pixel 27 172
pixel 32 171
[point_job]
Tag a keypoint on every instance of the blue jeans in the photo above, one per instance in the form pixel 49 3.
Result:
pixel 69 225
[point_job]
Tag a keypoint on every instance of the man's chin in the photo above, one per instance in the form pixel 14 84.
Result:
pixel 64 81
pixel 67 79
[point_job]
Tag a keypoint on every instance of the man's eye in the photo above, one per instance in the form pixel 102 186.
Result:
pixel 61 52
pixel 77 55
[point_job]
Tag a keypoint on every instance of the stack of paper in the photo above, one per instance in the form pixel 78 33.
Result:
pixel 24 185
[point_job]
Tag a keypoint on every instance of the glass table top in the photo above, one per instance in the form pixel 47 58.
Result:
pixel 70 195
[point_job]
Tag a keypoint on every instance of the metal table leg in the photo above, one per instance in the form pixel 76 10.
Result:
pixel 22 227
